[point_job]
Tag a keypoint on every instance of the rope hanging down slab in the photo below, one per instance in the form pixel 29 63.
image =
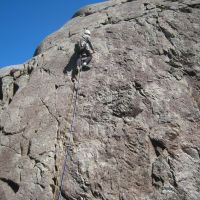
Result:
pixel 70 131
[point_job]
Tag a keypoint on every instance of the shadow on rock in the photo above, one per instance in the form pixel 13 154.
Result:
pixel 71 66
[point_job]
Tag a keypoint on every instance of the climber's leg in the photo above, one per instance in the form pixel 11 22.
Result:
pixel 88 59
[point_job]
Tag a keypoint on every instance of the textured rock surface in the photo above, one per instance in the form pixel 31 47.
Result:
pixel 136 134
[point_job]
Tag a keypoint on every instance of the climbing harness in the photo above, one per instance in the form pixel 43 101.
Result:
pixel 70 131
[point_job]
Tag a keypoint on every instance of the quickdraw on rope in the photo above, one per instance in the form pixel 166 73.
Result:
pixel 70 131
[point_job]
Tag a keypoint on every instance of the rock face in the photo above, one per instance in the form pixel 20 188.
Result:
pixel 136 133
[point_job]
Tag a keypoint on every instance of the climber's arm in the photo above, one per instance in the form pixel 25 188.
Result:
pixel 91 46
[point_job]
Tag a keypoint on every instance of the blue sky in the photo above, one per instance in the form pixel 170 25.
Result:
pixel 25 23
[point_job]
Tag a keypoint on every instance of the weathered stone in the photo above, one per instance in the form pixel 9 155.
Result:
pixel 136 126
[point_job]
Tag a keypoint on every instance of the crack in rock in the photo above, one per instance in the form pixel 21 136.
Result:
pixel 13 185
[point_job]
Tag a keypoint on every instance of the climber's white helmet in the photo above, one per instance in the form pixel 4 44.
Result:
pixel 87 32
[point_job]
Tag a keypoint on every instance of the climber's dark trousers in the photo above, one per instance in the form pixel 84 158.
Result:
pixel 89 57
pixel 87 60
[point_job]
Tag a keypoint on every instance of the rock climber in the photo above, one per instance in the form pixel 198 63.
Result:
pixel 85 50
